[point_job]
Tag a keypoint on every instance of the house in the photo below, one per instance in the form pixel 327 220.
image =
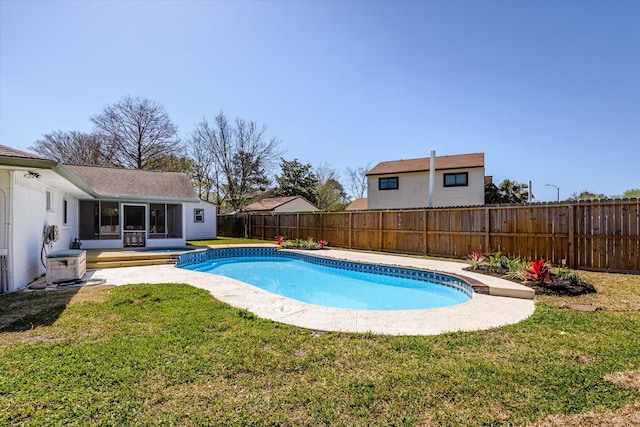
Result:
pixel 106 208
pixel 398 184
pixel 281 204
pixel 357 205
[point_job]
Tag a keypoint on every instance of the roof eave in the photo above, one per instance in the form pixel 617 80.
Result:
pixel 143 199
pixel 28 162
pixel 423 170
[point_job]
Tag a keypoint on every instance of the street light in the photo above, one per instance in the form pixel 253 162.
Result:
pixel 557 189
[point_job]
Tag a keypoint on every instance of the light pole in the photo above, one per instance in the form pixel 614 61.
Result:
pixel 557 189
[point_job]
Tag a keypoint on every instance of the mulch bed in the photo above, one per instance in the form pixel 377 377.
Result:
pixel 557 287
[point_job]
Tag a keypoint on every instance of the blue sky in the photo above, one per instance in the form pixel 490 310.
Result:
pixel 548 90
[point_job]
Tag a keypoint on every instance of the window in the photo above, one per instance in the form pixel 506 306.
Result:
pixel 157 221
pixel 49 200
pixel 388 183
pixel 65 212
pixel 198 215
pixel 99 220
pixel 165 221
pixel 460 179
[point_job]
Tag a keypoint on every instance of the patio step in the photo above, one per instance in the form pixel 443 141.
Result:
pixel 122 259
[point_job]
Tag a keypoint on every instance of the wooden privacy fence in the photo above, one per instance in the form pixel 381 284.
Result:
pixel 599 235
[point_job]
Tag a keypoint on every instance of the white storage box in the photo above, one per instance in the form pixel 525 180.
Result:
pixel 66 266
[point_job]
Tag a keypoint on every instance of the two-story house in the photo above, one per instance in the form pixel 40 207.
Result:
pixel 401 184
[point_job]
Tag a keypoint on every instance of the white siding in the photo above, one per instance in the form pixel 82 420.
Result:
pixel 206 230
pixel 413 190
pixel 28 218
pixel 296 205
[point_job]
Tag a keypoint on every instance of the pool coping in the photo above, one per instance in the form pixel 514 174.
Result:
pixel 505 304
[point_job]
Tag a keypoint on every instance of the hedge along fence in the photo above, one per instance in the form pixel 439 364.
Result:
pixel 598 235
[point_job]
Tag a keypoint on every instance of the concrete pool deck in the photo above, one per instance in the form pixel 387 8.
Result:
pixel 507 302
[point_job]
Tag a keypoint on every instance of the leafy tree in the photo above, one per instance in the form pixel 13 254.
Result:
pixel 74 148
pixel 513 192
pixel 138 131
pixel 296 180
pixel 492 195
pixel 230 159
pixel 586 196
pixel 357 181
pixel 631 194
pixel 330 194
pixel 507 192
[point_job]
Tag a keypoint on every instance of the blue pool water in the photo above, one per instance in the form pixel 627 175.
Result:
pixel 330 286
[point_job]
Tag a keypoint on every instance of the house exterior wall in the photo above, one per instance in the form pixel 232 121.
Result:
pixel 296 205
pixel 28 217
pixel 413 190
pixel 201 230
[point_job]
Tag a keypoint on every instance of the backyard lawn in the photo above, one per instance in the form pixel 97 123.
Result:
pixel 173 355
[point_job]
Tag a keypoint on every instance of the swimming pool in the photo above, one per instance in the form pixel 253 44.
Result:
pixel 330 282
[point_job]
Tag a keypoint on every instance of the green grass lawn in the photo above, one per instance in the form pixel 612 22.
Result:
pixel 173 355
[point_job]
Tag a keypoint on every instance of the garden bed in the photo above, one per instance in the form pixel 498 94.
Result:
pixel 538 275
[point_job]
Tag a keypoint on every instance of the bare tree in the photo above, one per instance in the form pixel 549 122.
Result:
pixel 357 181
pixel 204 175
pixel 75 148
pixel 139 130
pixel 241 153
pixel 330 194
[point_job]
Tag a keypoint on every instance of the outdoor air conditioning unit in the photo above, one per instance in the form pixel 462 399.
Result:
pixel 66 266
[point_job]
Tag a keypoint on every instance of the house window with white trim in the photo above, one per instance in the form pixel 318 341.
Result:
pixel 198 215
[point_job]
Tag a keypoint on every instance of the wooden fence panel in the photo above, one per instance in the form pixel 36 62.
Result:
pixel 602 235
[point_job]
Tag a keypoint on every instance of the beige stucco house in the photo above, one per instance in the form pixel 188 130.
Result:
pixel 402 184
pixel 281 205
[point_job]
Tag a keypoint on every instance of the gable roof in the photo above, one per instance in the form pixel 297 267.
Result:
pixel 457 161
pixel 134 184
pixel 271 203
pixel 358 205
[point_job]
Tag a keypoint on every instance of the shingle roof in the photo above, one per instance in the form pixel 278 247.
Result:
pixel 358 205
pixel 269 204
pixel 422 164
pixel 12 152
pixel 135 183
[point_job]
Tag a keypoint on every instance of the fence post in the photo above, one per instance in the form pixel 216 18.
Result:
pixel 297 226
pixel 263 227
pixel 277 224
pixel 487 229
pixel 426 232
pixel 381 232
pixel 572 236
pixel 350 230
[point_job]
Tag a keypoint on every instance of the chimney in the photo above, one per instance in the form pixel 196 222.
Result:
pixel 432 176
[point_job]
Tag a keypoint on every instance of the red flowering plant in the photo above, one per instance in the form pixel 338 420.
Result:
pixel 539 272
pixel 279 239
pixel 323 243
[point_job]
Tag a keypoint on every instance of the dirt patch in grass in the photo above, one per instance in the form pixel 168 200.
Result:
pixel 628 415
pixel 629 379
